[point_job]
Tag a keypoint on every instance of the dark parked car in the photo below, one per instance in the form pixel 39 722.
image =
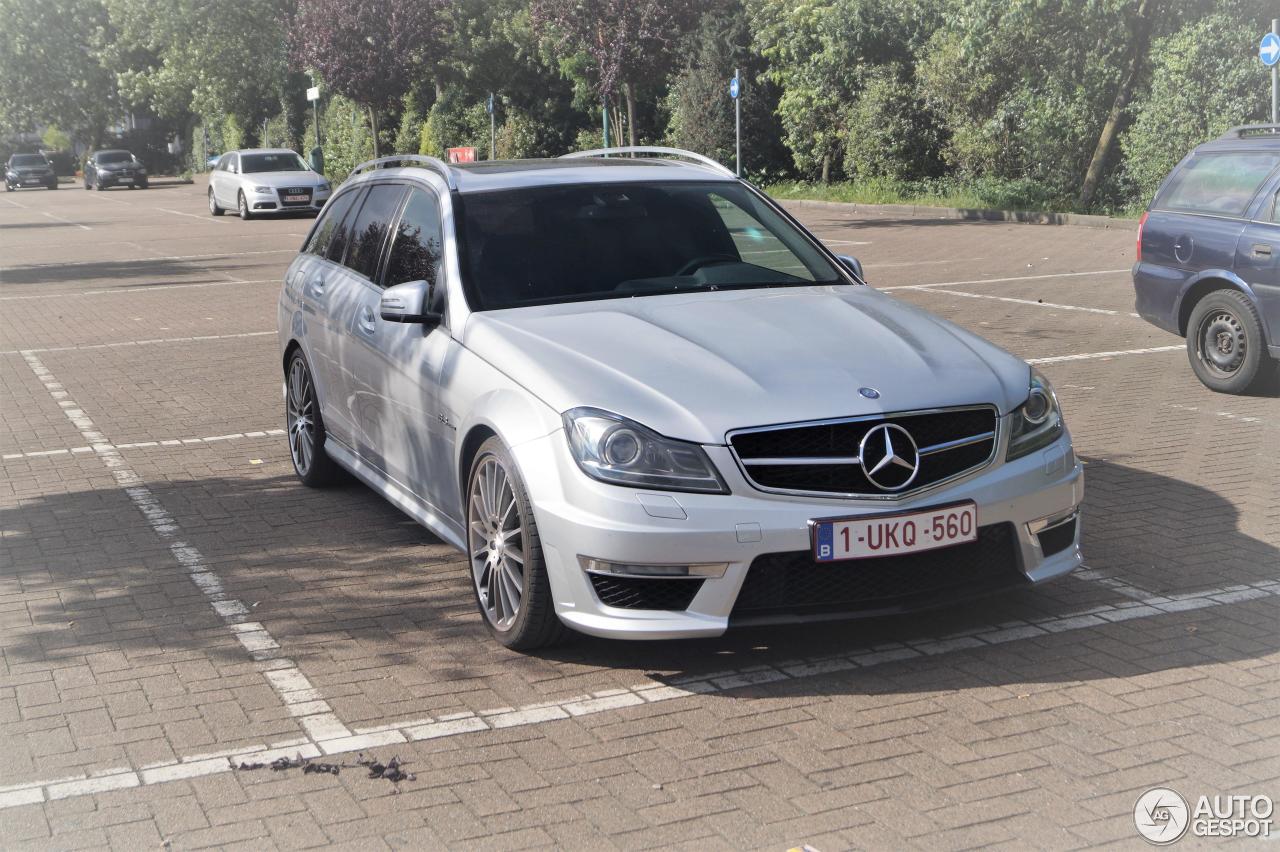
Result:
pixel 117 167
pixel 1208 265
pixel 29 170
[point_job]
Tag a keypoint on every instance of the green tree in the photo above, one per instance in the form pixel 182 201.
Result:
pixel 1205 78
pixel 51 65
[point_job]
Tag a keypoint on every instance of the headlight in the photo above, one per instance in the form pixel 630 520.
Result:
pixel 322 187
pixel 622 452
pixel 262 190
pixel 1038 421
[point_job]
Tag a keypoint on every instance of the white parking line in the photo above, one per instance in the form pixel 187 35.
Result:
pixel 14 204
pixel 137 445
pixel 1002 280
pixel 210 219
pixel 199 338
pixel 314 715
pixel 1033 302
pixel 67 221
pixel 1088 356
pixel 1223 414
pixel 1140 605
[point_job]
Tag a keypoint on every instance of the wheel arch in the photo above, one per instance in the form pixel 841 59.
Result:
pixel 1205 284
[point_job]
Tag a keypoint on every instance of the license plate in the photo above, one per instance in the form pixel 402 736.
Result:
pixel 31 180
pixel 295 198
pixel 886 535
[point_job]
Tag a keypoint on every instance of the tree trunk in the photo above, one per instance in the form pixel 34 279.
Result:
pixel 1107 139
pixel 373 125
pixel 826 168
pixel 631 113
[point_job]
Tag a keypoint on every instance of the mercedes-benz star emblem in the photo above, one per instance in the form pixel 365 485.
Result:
pixel 890 458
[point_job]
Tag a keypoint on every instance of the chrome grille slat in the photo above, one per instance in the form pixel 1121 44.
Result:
pixel 798 458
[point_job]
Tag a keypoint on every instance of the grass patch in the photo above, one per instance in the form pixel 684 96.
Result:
pixel 977 194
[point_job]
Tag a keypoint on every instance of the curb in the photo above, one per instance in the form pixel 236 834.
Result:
pixel 921 211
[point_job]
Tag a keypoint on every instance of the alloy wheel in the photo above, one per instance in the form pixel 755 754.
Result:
pixel 300 407
pixel 496 543
pixel 1223 342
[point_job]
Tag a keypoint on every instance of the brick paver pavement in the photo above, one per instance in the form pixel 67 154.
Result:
pixel 172 607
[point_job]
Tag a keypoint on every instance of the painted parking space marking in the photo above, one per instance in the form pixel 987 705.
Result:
pixel 198 338
pixel 140 445
pixel 57 218
pixel 1088 356
pixel 1139 604
pixel 1032 302
pixel 209 219
pixel 1226 415
pixel 153 288
pixel 1003 280
pixel 319 720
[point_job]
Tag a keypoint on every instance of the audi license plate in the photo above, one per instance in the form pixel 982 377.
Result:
pixel 31 180
pixel 296 198
pixel 885 535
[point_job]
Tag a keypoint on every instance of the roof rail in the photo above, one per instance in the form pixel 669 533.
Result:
pixel 652 149
pixel 1251 130
pixel 437 165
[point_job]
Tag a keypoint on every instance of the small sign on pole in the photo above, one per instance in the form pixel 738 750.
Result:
pixel 1269 53
pixel 735 90
pixel 461 155
pixel 313 93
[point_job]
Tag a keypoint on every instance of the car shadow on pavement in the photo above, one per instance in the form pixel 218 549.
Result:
pixel 152 272
pixel 346 583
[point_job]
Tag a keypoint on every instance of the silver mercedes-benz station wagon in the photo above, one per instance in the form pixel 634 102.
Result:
pixel 646 403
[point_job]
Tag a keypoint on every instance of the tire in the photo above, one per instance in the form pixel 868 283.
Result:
pixel 86 186
pixel 144 185
pixel 1225 343
pixel 214 209
pixel 130 186
pixel 53 186
pixel 498 512
pixel 243 206
pixel 97 184
pixel 304 426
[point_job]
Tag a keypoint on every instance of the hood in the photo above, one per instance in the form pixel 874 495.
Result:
pixel 696 366
pixel 276 180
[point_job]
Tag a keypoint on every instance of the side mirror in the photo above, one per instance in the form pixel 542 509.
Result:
pixel 853 265
pixel 412 301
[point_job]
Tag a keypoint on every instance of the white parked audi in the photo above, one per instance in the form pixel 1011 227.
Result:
pixel 265 181
pixel 646 403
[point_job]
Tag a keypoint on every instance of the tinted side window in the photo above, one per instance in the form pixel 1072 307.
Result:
pixel 368 234
pixel 334 212
pixel 417 252
pixel 1221 184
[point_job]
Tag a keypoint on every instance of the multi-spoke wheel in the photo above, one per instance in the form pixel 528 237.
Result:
pixel 508 575
pixel 243 206
pixel 304 426
pixel 1225 342
pixel 214 209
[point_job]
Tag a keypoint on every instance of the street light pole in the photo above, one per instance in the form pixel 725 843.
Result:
pixel 1275 99
pixel 737 125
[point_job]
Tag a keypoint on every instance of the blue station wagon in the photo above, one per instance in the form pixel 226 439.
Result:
pixel 1208 258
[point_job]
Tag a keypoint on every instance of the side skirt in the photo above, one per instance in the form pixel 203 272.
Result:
pixel 421 511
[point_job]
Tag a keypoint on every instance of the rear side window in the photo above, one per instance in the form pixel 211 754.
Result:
pixel 334 212
pixel 1220 184
pixel 369 232
pixel 417 250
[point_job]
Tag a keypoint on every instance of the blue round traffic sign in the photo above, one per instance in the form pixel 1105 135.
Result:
pixel 733 87
pixel 1269 49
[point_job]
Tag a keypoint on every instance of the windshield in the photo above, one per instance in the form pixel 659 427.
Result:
pixel 27 160
pixel 115 157
pixel 286 162
pixel 607 241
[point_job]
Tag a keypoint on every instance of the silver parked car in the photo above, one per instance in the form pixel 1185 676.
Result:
pixel 265 181
pixel 646 403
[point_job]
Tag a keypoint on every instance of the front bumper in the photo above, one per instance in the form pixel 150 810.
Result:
pixel 578 516
pixel 121 179
pixel 273 202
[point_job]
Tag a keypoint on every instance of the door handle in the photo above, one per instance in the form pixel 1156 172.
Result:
pixel 368 324
pixel 1261 250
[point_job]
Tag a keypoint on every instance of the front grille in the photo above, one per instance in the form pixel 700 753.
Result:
pixel 1057 539
pixel 645 592
pixel 793 584
pixel 774 459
